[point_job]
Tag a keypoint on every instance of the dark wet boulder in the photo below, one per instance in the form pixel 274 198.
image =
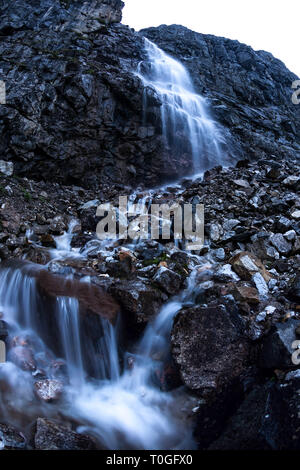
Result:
pixel 11 439
pixel 210 348
pixel 51 435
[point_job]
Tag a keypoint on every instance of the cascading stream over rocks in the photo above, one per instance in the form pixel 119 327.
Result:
pixel 140 344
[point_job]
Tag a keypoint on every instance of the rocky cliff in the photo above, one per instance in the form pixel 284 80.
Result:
pixel 74 104
pixel 250 91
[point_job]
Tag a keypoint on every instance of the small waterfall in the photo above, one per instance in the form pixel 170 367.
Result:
pixel 187 125
pixel 122 410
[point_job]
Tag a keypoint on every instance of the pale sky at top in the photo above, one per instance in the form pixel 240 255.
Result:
pixel 271 25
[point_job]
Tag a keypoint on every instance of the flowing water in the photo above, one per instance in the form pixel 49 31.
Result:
pixel 112 394
pixel 187 124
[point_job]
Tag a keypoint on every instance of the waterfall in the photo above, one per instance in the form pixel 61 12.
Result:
pixel 123 410
pixel 187 124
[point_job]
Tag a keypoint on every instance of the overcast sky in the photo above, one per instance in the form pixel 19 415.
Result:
pixel 271 25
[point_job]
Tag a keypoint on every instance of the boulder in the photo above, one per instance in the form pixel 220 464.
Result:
pixel 209 347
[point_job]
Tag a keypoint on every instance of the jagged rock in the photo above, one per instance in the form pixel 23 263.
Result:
pixel 51 435
pixel 139 300
pixel 48 390
pixel 277 348
pixel 209 348
pixel 246 265
pixel 168 280
pixel 11 439
pixel 261 285
pixel 280 243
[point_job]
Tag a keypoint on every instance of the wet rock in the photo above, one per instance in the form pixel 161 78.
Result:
pixel 51 435
pixel 139 300
pixel 91 297
pixel 246 265
pixel 48 390
pixel 209 348
pixel 23 357
pixel 11 439
pixel 280 243
pixel 277 348
pixel 168 280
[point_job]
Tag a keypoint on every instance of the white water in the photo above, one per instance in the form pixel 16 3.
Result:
pixel 123 410
pixel 185 114
pixel 123 407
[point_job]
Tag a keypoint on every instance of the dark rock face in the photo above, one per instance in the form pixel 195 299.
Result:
pixel 209 348
pixel 268 419
pixel 53 436
pixel 74 104
pixel 277 346
pixel 250 91
pixel 81 15
pixel 74 111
